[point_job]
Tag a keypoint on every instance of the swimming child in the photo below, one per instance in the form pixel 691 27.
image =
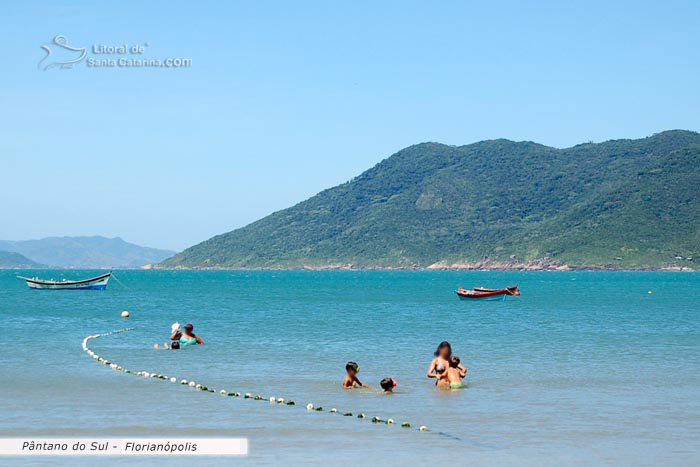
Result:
pixel 351 380
pixel 173 346
pixel 454 373
pixel 388 384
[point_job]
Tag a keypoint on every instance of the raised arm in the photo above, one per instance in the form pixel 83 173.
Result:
pixel 175 336
pixel 431 369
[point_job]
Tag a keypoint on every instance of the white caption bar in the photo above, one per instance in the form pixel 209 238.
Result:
pixel 123 446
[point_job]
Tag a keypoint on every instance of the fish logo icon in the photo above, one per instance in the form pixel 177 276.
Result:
pixel 61 54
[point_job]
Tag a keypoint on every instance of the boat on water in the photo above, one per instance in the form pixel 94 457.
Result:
pixel 481 293
pixel 94 283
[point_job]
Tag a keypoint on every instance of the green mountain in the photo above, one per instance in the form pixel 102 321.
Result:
pixel 621 203
pixel 86 252
pixel 11 260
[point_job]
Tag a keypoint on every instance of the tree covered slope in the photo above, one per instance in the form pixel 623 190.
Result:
pixel 625 203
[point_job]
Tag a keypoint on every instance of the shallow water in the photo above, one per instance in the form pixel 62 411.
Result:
pixel 583 368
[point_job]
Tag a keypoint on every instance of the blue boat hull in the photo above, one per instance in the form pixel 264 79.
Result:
pixel 89 287
pixel 497 298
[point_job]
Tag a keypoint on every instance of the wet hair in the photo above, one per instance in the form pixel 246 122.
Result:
pixel 442 345
pixel 351 366
pixel 387 383
pixel 454 361
pixel 175 345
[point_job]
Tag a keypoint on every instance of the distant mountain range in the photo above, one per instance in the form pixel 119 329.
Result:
pixel 84 252
pixel 9 260
pixel 491 204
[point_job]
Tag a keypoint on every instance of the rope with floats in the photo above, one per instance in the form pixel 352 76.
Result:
pixel 202 388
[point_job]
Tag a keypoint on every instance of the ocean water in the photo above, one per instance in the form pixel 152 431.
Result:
pixel 585 368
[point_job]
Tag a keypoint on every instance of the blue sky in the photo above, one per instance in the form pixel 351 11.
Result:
pixel 284 99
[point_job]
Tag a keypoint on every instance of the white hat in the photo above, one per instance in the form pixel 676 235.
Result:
pixel 175 326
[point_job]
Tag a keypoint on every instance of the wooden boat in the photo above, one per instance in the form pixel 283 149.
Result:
pixel 94 283
pixel 481 293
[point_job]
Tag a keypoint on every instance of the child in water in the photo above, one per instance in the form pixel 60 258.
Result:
pixel 388 384
pixel 438 367
pixel 454 374
pixel 351 380
pixel 174 346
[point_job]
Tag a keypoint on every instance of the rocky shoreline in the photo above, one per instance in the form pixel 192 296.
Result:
pixel 485 265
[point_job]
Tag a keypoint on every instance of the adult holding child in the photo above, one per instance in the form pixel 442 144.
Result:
pixel 439 365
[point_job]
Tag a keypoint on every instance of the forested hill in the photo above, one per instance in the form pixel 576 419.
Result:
pixel 621 203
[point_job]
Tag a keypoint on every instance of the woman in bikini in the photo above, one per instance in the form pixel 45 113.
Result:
pixel 439 364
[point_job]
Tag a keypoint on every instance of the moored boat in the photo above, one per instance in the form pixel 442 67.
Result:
pixel 94 283
pixel 481 293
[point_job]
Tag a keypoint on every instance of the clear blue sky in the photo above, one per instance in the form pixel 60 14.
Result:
pixel 284 99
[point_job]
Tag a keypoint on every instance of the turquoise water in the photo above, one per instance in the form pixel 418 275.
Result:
pixel 584 368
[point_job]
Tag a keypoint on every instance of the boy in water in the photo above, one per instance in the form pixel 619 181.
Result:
pixel 454 374
pixel 351 380
pixel 388 384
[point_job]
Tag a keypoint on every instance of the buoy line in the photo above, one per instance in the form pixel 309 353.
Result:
pixel 202 388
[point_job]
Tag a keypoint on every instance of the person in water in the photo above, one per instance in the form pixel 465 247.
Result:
pixel 351 380
pixel 186 337
pixel 439 364
pixel 173 346
pixel 388 384
pixel 454 374
pixel 442 382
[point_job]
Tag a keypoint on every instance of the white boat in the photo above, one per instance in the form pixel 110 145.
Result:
pixel 94 283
